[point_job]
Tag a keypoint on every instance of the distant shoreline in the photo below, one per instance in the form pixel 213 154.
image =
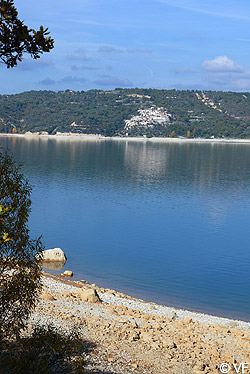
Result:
pixel 72 136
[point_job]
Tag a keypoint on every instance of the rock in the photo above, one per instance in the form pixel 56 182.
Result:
pixel 233 324
pixel 56 254
pixel 146 337
pixel 133 336
pixel 173 316
pixel 87 294
pixel 47 297
pixel 112 311
pixel 158 327
pixel 68 273
pixel 187 320
pixel 66 293
pixel 237 332
pixel 169 343
pixel 135 366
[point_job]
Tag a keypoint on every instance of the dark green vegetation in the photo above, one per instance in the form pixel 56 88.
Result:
pixel 45 351
pixel 20 280
pixel 16 38
pixel 193 113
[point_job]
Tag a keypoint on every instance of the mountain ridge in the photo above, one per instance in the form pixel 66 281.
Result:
pixel 129 112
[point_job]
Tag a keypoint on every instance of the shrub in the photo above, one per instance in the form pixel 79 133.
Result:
pixel 46 351
pixel 20 272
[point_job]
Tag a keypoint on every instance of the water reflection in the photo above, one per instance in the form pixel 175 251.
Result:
pixel 217 172
pixel 167 220
pixel 146 161
pixel 201 164
pixel 55 265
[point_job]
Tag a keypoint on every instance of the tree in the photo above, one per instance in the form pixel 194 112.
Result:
pixel 16 38
pixel 20 270
pixel 20 280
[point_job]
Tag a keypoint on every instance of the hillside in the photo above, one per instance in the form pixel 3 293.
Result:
pixel 128 112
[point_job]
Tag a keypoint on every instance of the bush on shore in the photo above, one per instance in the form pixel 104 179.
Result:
pixel 45 351
pixel 20 272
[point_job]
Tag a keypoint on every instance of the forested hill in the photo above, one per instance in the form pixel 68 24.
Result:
pixel 128 112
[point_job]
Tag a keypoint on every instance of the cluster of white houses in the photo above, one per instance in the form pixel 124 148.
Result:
pixel 148 118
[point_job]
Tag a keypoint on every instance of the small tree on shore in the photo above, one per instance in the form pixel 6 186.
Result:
pixel 19 269
pixel 46 350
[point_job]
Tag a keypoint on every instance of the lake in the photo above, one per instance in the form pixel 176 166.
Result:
pixel 166 222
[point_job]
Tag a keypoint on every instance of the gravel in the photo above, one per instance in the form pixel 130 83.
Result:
pixel 149 308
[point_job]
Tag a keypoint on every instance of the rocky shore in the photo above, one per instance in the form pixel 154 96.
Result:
pixel 128 335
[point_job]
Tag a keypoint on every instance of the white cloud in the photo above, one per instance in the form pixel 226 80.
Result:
pixel 224 72
pixel 222 64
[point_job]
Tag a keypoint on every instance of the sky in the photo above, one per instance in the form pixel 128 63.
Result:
pixel 181 44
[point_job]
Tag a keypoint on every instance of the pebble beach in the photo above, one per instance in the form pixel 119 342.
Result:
pixel 133 336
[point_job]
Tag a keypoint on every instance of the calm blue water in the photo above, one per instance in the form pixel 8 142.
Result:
pixel 164 222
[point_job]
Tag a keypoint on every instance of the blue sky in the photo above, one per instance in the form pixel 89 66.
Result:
pixel 182 44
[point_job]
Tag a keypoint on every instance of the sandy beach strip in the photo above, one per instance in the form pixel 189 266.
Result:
pixel 143 337
pixel 72 136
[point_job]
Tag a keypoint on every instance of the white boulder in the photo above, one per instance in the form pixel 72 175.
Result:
pixel 68 273
pixel 56 254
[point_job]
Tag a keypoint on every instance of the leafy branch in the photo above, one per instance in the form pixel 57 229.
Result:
pixel 16 38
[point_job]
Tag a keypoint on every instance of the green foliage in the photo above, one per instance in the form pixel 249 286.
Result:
pixel 16 38
pixel 45 351
pixel 4 235
pixel 19 269
pixel 104 112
